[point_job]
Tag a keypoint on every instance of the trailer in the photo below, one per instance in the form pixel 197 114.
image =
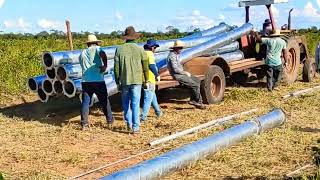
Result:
pixel 213 71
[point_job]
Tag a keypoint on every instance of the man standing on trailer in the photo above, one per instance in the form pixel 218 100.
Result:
pixel 275 48
pixel 184 77
pixel 131 69
pixel 93 62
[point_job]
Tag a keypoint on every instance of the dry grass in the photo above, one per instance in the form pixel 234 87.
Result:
pixel 44 141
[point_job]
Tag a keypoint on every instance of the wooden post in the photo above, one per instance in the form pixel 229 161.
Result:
pixel 69 35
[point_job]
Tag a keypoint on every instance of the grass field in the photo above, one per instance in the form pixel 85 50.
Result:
pixel 44 141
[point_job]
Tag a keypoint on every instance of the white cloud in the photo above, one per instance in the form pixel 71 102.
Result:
pixel 308 14
pixel 195 18
pixel 118 16
pixel 222 17
pixel 1 3
pixel 19 23
pixel 318 2
pixel 48 24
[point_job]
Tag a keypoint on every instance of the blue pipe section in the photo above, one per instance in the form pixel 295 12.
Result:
pixel 52 59
pixel 35 82
pixel 183 156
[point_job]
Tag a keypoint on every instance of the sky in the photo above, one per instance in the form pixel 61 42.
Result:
pixel 32 16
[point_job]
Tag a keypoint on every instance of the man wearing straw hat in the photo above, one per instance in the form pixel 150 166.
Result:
pixel 131 70
pixel 94 63
pixel 276 46
pixel 184 77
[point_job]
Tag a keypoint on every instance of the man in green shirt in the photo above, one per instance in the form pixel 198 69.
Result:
pixel 131 70
pixel 275 48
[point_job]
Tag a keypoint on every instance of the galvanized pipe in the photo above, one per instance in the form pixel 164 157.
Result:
pixel 35 82
pixel 183 156
pixel 57 87
pixel 42 96
pixel 232 56
pixel 47 87
pixel 222 27
pixel 52 59
pixel 225 49
pixel 71 87
pixel 51 73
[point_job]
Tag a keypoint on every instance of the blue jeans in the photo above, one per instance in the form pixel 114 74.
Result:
pixel 131 95
pixel 149 99
pixel 98 88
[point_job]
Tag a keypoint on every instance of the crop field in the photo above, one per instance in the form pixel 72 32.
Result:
pixel 45 141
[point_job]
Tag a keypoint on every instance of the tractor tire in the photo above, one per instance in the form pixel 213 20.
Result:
pixel 213 86
pixel 309 70
pixel 291 67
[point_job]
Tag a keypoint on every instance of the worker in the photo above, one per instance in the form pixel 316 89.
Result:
pixel 93 62
pixel 131 71
pixel 150 97
pixel 183 77
pixel 317 58
pixel 267 28
pixel 275 48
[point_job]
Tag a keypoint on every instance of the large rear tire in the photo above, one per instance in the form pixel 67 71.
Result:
pixel 291 67
pixel 309 70
pixel 213 86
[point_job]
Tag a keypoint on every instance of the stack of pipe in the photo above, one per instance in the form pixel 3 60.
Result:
pixel 63 71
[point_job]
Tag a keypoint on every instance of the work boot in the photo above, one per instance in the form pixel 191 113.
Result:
pixel 85 128
pixel 199 105
pixel 192 102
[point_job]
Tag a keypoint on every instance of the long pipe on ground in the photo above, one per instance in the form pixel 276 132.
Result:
pixel 42 96
pixel 185 155
pixel 302 92
pixel 202 126
pixel 35 82
pixel 52 59
pixel 47 87
pixel 57 87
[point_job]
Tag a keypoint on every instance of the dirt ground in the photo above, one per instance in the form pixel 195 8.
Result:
pixel 44 141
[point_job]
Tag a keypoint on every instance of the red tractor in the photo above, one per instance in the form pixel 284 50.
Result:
pixel 214 70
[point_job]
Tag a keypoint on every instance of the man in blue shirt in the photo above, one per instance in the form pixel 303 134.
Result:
pixel 275 48
pixel 94 63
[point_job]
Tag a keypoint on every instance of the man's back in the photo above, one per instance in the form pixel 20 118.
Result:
pixel 90 62
pixel 129 58
pixel 274 50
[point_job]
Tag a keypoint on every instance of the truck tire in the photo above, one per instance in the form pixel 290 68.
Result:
pixel 309 70
pixel 213 86
pixel 290 72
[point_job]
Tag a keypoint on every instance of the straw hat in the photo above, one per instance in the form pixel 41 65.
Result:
pixel 92 39
pixel 276 33
pixel 130 34
pixel 177 44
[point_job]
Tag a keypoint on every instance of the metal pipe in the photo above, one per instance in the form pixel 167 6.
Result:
pixel 35 82
pixel 206 47
pixel 42 96
pixel 71 87
pixel 302 92
pixel 183 156
pixel 232 56
pixel 57 87
pixel 52 59
pixel 47 87
pixel 222 27
pixel 51 73
pixel 225 49
pixel 202 126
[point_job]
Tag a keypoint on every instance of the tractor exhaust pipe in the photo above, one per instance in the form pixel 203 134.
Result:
pixel 289 19
pixel 176 159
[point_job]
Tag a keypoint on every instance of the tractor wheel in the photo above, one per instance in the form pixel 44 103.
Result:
pixel 309 70
pixel 213 86
pixel 291 67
